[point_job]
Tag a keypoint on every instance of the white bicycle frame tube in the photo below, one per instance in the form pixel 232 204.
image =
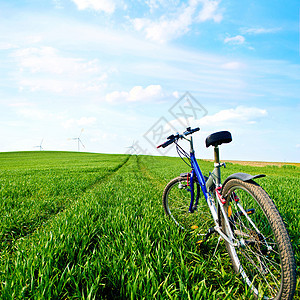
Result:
pixel 213 180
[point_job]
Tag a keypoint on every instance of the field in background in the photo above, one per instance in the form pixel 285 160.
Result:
pixel 259 163
pixel 90 226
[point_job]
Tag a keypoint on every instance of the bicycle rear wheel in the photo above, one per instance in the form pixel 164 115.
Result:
pixel 176 201
pixel 264 256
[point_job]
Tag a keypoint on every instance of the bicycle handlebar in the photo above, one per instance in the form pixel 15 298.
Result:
pixel 172 138
pixel 191 131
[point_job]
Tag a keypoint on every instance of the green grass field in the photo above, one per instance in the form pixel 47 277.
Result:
pixel 91 226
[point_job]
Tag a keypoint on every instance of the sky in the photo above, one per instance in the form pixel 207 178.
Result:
pixel 121 73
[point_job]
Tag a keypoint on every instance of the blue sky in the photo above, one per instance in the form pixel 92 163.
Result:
pixel 115 68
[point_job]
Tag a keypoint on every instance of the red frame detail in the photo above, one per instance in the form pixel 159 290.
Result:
pixel 218 190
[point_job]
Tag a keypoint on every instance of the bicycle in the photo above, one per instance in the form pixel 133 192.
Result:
pixel 241 212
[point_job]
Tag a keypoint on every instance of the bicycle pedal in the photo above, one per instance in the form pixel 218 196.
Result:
pixel 194 227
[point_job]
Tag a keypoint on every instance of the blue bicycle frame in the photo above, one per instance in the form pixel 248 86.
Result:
pixel 196 171
pixel 214 180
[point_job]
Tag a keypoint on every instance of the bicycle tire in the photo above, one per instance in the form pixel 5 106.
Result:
pixel 264 257
pixel 176 201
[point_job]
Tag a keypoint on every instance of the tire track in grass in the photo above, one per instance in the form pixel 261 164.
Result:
pixel 12 235
pixel 108 175
pixel 145 171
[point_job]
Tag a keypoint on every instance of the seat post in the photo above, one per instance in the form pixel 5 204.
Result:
pixel 217 155
pixel 217 165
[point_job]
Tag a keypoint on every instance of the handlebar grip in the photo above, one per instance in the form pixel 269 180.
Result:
pixel 190 131
pixel 167 143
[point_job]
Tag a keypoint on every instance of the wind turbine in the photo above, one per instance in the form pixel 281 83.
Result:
pixel 40 146
pixel 79 140
pixel 131 149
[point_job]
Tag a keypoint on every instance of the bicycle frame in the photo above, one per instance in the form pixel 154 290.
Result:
pixel 214 180
pixel 204 187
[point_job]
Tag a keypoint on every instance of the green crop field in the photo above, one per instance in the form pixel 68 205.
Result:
pixel 91 226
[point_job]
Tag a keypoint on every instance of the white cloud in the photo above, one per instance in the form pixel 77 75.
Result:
pixel 20 104
pixel 238 116
pixel 162 4
pixel 107 6
pixel 33 113
pixel 36 84
pixel 236 40
pixel 176 94
pixel 165 29
pixel 84 121
pixel 260 30
pixel 137 93
pixel 33 39
pixel 47 59
pixel 209 11
pixel 233 65
pixel 7 46
pixel 235 115
pixel 153 4
pixel 172 26
pixel 43 68
pixel 61 85
pixel 57 4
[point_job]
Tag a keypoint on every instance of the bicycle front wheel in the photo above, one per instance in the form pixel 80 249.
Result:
pixel 176 202
pixel 264 256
